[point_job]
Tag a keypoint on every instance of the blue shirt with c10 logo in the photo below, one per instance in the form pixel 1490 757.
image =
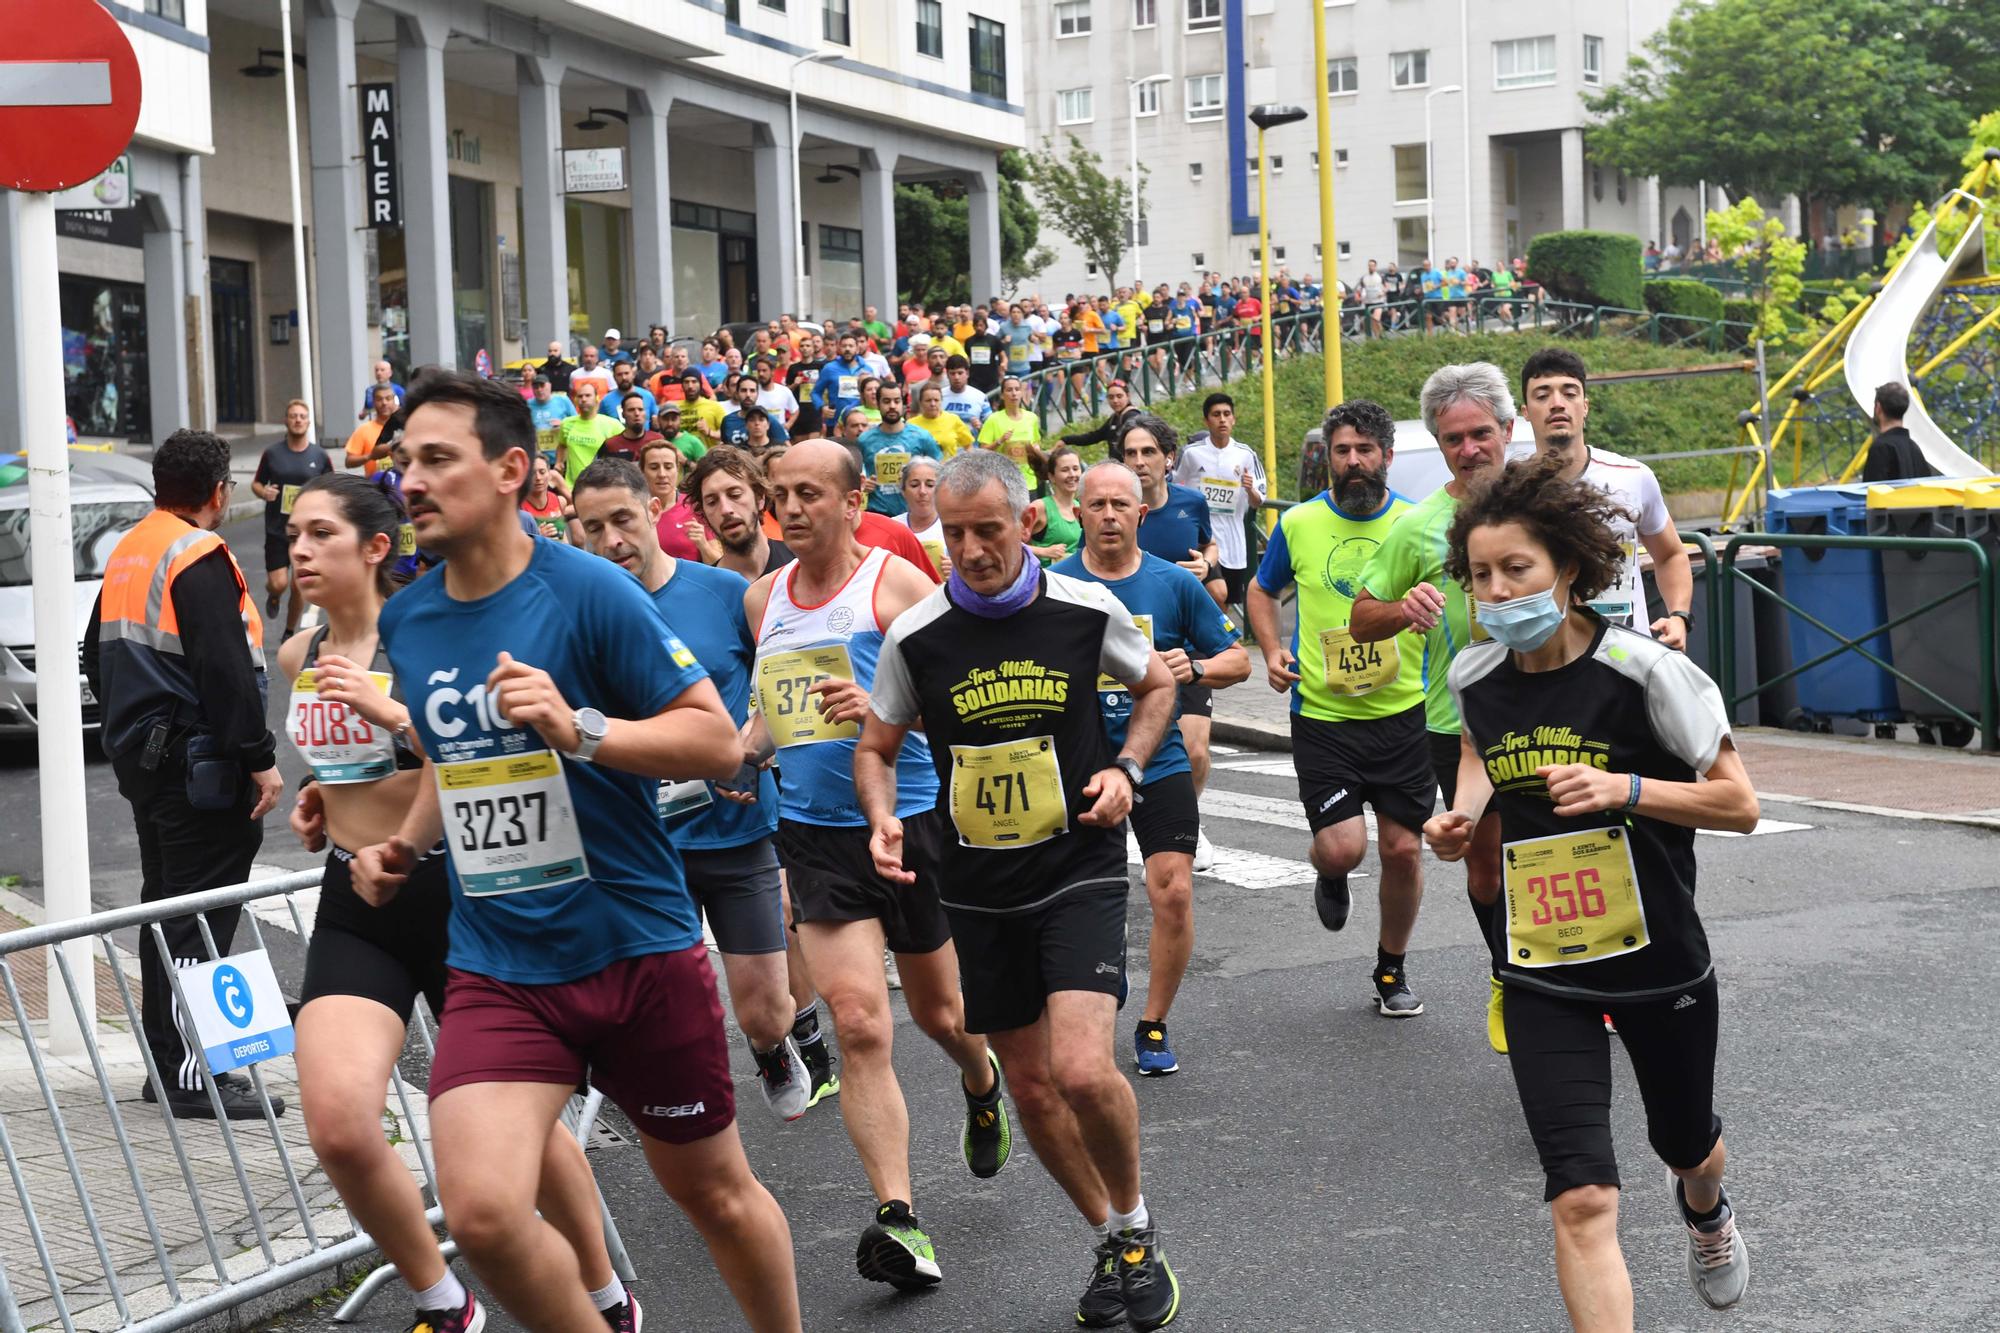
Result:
pixel 1180 525
pixel 592 627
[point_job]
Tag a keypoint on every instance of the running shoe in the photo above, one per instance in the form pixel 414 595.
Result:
pixel 1718 1258
pixel 1146 1280
pixel 782 1077
pixel 468 1318
pixel 1610 1026
pixel 895 1250
pixel 989 1138
pixel 271 606
pixel 626 1316
pixel 889 970
pixel 1496 1018
pixel 1103 1301
pixel 1204 853
pixel 1331 897
pixel 822 1074
pixel 1150 1049
pixel 1393 997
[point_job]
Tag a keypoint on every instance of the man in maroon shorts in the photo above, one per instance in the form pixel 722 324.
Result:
pixel 575 947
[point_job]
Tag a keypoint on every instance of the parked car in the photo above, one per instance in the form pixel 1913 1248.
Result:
pixel 108 495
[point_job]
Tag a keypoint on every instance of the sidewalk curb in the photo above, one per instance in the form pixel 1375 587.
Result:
pixel 1256 735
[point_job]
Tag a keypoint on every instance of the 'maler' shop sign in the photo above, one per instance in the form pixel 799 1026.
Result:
pixel 380 188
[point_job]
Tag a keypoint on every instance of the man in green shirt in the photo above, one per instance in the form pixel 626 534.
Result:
pixel 872 325
pixel 668 423
pixel 1404 590
pixel 1357 708
pixel 579 438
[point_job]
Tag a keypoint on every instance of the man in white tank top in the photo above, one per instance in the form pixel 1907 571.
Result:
pixel 819 623
pixel 1556 403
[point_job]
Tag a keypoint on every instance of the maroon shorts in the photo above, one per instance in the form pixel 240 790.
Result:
pixel 646 1031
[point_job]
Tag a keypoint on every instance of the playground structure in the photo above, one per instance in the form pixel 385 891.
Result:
pixel 1940 307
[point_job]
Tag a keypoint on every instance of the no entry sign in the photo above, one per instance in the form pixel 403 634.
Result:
pixel 69 93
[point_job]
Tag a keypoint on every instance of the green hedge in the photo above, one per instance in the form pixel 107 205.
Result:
pixel 1591 267
pixel 1683 296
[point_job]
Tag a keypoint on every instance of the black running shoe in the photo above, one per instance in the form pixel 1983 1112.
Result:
pixel 895 1250
pixel 1331 897
pixel 626 1316
pixel 1393 997
pixel 989 1138
pixel 468 1318
pixel 1103 1301
pixel 1152 1292
pixel 822 1070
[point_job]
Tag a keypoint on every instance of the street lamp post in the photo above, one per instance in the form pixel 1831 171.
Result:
pixel 1329 278
pixel 1430 188
pixel 1267 116
pixel 1132 87
pixel 798 206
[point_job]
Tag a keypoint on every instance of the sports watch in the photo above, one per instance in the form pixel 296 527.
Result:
pixel 1198 669
pixel 591 728
pixel 1134 772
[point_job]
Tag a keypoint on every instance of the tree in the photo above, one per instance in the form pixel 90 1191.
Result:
pixel 1092 209
pixel 1770 260
pixel 932 237
pixel 1826 98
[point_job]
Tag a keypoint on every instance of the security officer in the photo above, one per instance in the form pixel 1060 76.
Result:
pixel 175 650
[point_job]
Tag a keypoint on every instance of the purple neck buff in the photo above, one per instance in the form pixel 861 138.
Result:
pixel 1007 603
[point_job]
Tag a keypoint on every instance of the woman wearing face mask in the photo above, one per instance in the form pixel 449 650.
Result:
pixel 1053 519
pixel 1590 739
pixel 920 512
pixel 365 966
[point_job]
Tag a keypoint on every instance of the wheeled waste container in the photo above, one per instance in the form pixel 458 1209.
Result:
pixel 1940 648
pixel 1840 589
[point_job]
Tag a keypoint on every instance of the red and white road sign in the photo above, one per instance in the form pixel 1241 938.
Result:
pixel 69 93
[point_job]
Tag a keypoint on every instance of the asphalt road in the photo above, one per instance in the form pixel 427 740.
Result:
pixel 1317 1167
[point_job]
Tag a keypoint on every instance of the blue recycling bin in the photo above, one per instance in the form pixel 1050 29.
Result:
pixel 1842 589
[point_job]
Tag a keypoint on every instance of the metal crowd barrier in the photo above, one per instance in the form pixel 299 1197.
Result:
pixel 248 1246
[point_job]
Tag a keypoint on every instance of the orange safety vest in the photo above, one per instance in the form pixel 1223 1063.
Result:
pixel 142 666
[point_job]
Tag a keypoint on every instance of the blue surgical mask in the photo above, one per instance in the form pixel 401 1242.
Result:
pixel 1524 623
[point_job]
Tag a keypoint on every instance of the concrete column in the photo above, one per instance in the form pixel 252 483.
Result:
pixel 774 174
pixel 194 263
pixel 544 238
pixel 340 266
pixel 420 131
pixel 166 315
pixel 878 232
pixel 982 216
pixel 1574 183
pixel 13 406
pixel 652 211
pixel 1651 223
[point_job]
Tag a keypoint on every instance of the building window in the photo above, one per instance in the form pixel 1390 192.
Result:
pixel 1145 13
pixel 1339 158
pixel 778 5
pixel 1194 172
pixel 1411 187
pixel 1277 165
pixel 1256 255
pixel 833 23
pixel 930 28
pixel 1073 18
pixel 1278 253
pixel 1200 259
pixel 1525 62
pixel 1343 75
pixel 174 11
pixel 1073 107
pixel 1204 15
pixel 1413 244
pixel 1593 60
pixel 1148 103
pixel 1410 69
pixel 1204 97
pixel 989 57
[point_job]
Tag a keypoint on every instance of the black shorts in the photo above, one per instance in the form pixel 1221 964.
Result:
pixel 1196 701
pixel 389 954
pixel 1235 584
pixel 277 551
pixel 1009 963
pixel 1444 762
pixel 740 888
pixel 1378 761
pixel 1561 1056
pixel 832 878
pixel 1167 819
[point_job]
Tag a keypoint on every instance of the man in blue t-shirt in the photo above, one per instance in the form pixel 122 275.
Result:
pixel 1196 640
pixel 888 447
pixel 575 949
pixel 839 385
pixel 383 373
pixel 725 840
pixel 736 426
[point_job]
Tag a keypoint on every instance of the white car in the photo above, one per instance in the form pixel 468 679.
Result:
pixel 108 495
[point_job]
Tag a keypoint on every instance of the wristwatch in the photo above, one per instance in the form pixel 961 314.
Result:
pixel 1133 771
pixel 590 732
pixel 1199 670
pixel 1686 617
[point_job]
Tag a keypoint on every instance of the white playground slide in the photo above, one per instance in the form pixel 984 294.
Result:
pixel 1878 348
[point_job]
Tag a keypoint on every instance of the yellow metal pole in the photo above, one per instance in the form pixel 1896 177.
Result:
pixel 1264 269
pixel 1329 278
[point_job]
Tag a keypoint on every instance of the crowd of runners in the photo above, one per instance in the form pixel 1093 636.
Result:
pixel 881 693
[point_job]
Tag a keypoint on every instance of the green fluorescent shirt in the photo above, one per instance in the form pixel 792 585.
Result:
pixel 1323 551
pixel 1414 553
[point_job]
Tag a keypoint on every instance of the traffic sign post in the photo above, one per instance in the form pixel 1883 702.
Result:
pixel 69 100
